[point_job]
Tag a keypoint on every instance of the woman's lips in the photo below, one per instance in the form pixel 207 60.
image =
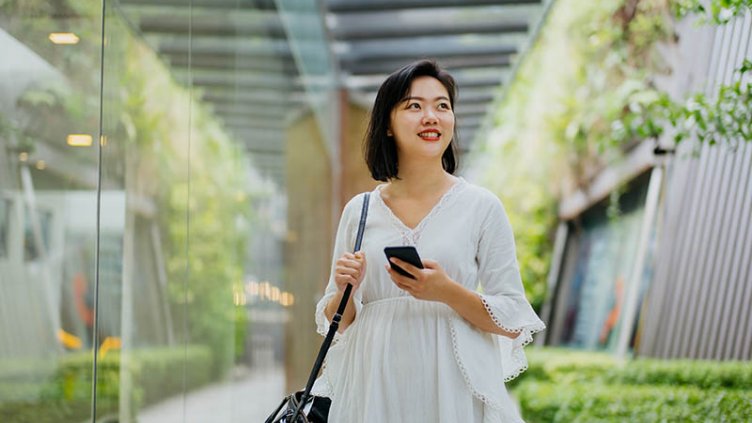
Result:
pixel 430 135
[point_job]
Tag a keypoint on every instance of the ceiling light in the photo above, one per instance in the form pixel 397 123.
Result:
pixel 79 140
pixel 41 165
pixel 23 156
pixel 63 38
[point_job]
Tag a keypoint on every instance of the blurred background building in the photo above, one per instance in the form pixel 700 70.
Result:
pixel 172 172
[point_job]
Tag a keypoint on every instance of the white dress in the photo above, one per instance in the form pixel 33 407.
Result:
pixel 409 360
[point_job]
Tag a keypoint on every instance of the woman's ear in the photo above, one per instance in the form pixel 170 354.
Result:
pixel 389 132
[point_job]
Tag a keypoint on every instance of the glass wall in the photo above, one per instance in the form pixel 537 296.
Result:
pixel 598 275
pixel 145 168
pixel 49 96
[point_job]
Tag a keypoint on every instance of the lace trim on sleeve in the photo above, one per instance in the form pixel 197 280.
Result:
pixel 322 323
pixel 465 374
pixel 524 338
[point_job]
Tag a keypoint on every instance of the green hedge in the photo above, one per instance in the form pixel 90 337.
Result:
pixel 592 402
pixel 564 385
pixel 701 374
pixel 66 395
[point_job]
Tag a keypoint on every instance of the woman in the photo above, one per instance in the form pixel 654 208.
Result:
pixel 429 349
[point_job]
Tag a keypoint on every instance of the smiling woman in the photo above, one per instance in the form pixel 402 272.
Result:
pixel 401 106
pixel 424 115
pixel 433 328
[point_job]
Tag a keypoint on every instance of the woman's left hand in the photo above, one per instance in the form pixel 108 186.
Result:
pixel 431 283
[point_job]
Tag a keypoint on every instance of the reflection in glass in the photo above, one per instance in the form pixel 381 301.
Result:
pixel 4 227
pixel 48 220
pixel 142 207
pixel 36 233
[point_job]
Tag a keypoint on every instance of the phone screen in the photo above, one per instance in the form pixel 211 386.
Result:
pixel 404 253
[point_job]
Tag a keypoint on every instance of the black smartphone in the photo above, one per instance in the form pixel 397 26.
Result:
pixel 404 253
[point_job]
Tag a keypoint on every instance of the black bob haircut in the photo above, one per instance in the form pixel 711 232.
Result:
pixel 379 148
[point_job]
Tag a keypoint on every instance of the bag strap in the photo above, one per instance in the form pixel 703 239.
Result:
pixel 336 318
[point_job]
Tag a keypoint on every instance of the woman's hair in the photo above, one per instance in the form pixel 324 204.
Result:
pixel 379 148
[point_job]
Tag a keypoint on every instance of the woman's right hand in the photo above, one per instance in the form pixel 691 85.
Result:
pixel 350 268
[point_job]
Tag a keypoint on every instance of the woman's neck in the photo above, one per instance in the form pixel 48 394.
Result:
pixel 420 180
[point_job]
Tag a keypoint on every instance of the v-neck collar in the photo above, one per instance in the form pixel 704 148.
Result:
pixel 413 234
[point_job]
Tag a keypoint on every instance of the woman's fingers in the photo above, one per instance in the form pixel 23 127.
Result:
pixel 407 267
pixel 345 279
pixel 349 269
pixel 430 264
pixel 403 282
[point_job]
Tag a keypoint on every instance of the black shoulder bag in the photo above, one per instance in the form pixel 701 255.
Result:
pixel 301 407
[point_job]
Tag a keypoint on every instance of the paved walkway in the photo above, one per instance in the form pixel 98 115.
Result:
pixel 247 399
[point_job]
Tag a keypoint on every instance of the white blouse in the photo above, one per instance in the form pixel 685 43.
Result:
pixel 405 359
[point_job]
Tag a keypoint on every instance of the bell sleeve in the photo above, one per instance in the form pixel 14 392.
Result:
pixel 343 242
pixel 502 292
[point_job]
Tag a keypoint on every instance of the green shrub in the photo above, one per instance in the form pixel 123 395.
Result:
pixel 701 374
pixel 564 365
pixel 592 402
pixel 161 373
pixel 65 396
pixel 45 412
pixel 564 385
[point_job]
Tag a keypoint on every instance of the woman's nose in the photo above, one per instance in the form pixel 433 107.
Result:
pixel 429 116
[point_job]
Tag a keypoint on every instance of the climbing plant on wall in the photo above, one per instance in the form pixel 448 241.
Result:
pixel 721 116
pixel 582 96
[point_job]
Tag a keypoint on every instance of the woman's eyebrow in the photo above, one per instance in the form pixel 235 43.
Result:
pixel 423 99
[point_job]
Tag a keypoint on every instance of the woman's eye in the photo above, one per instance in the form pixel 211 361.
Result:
pixel 413 106
pixel 445 106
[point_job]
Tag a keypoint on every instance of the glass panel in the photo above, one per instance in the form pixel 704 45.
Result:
pixel 173 223
pixel 197 103
pixel 603 272
pixel 49 97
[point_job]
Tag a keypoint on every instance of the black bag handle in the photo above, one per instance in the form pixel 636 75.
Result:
pixel 335 319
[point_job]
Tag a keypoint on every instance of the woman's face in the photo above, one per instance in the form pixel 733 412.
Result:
pixel 423 123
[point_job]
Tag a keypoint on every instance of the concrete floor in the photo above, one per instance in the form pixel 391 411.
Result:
pixel 248 398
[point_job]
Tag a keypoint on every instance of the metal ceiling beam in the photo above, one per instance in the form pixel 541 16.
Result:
pixel 231 61
pixel 466 99
pixel 254 132
pixel 267 151
pixel 183 44
pixel 238 80
pixel 348 6
pixel 466 129
pixel 471 109
pixel 407 50
pixel 165 24
pixel 250 109
pixel 390 29
pixel 209 4
pixel 267 97
pixel 229 101
pixel 470 121
pixel 253 137
pixel 259 136
pixel 208 22
pixel 257 116
pixel 368 67
pixel 209 84
pixel 263 124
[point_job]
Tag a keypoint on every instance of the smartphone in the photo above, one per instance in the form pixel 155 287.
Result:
pixel 404 253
